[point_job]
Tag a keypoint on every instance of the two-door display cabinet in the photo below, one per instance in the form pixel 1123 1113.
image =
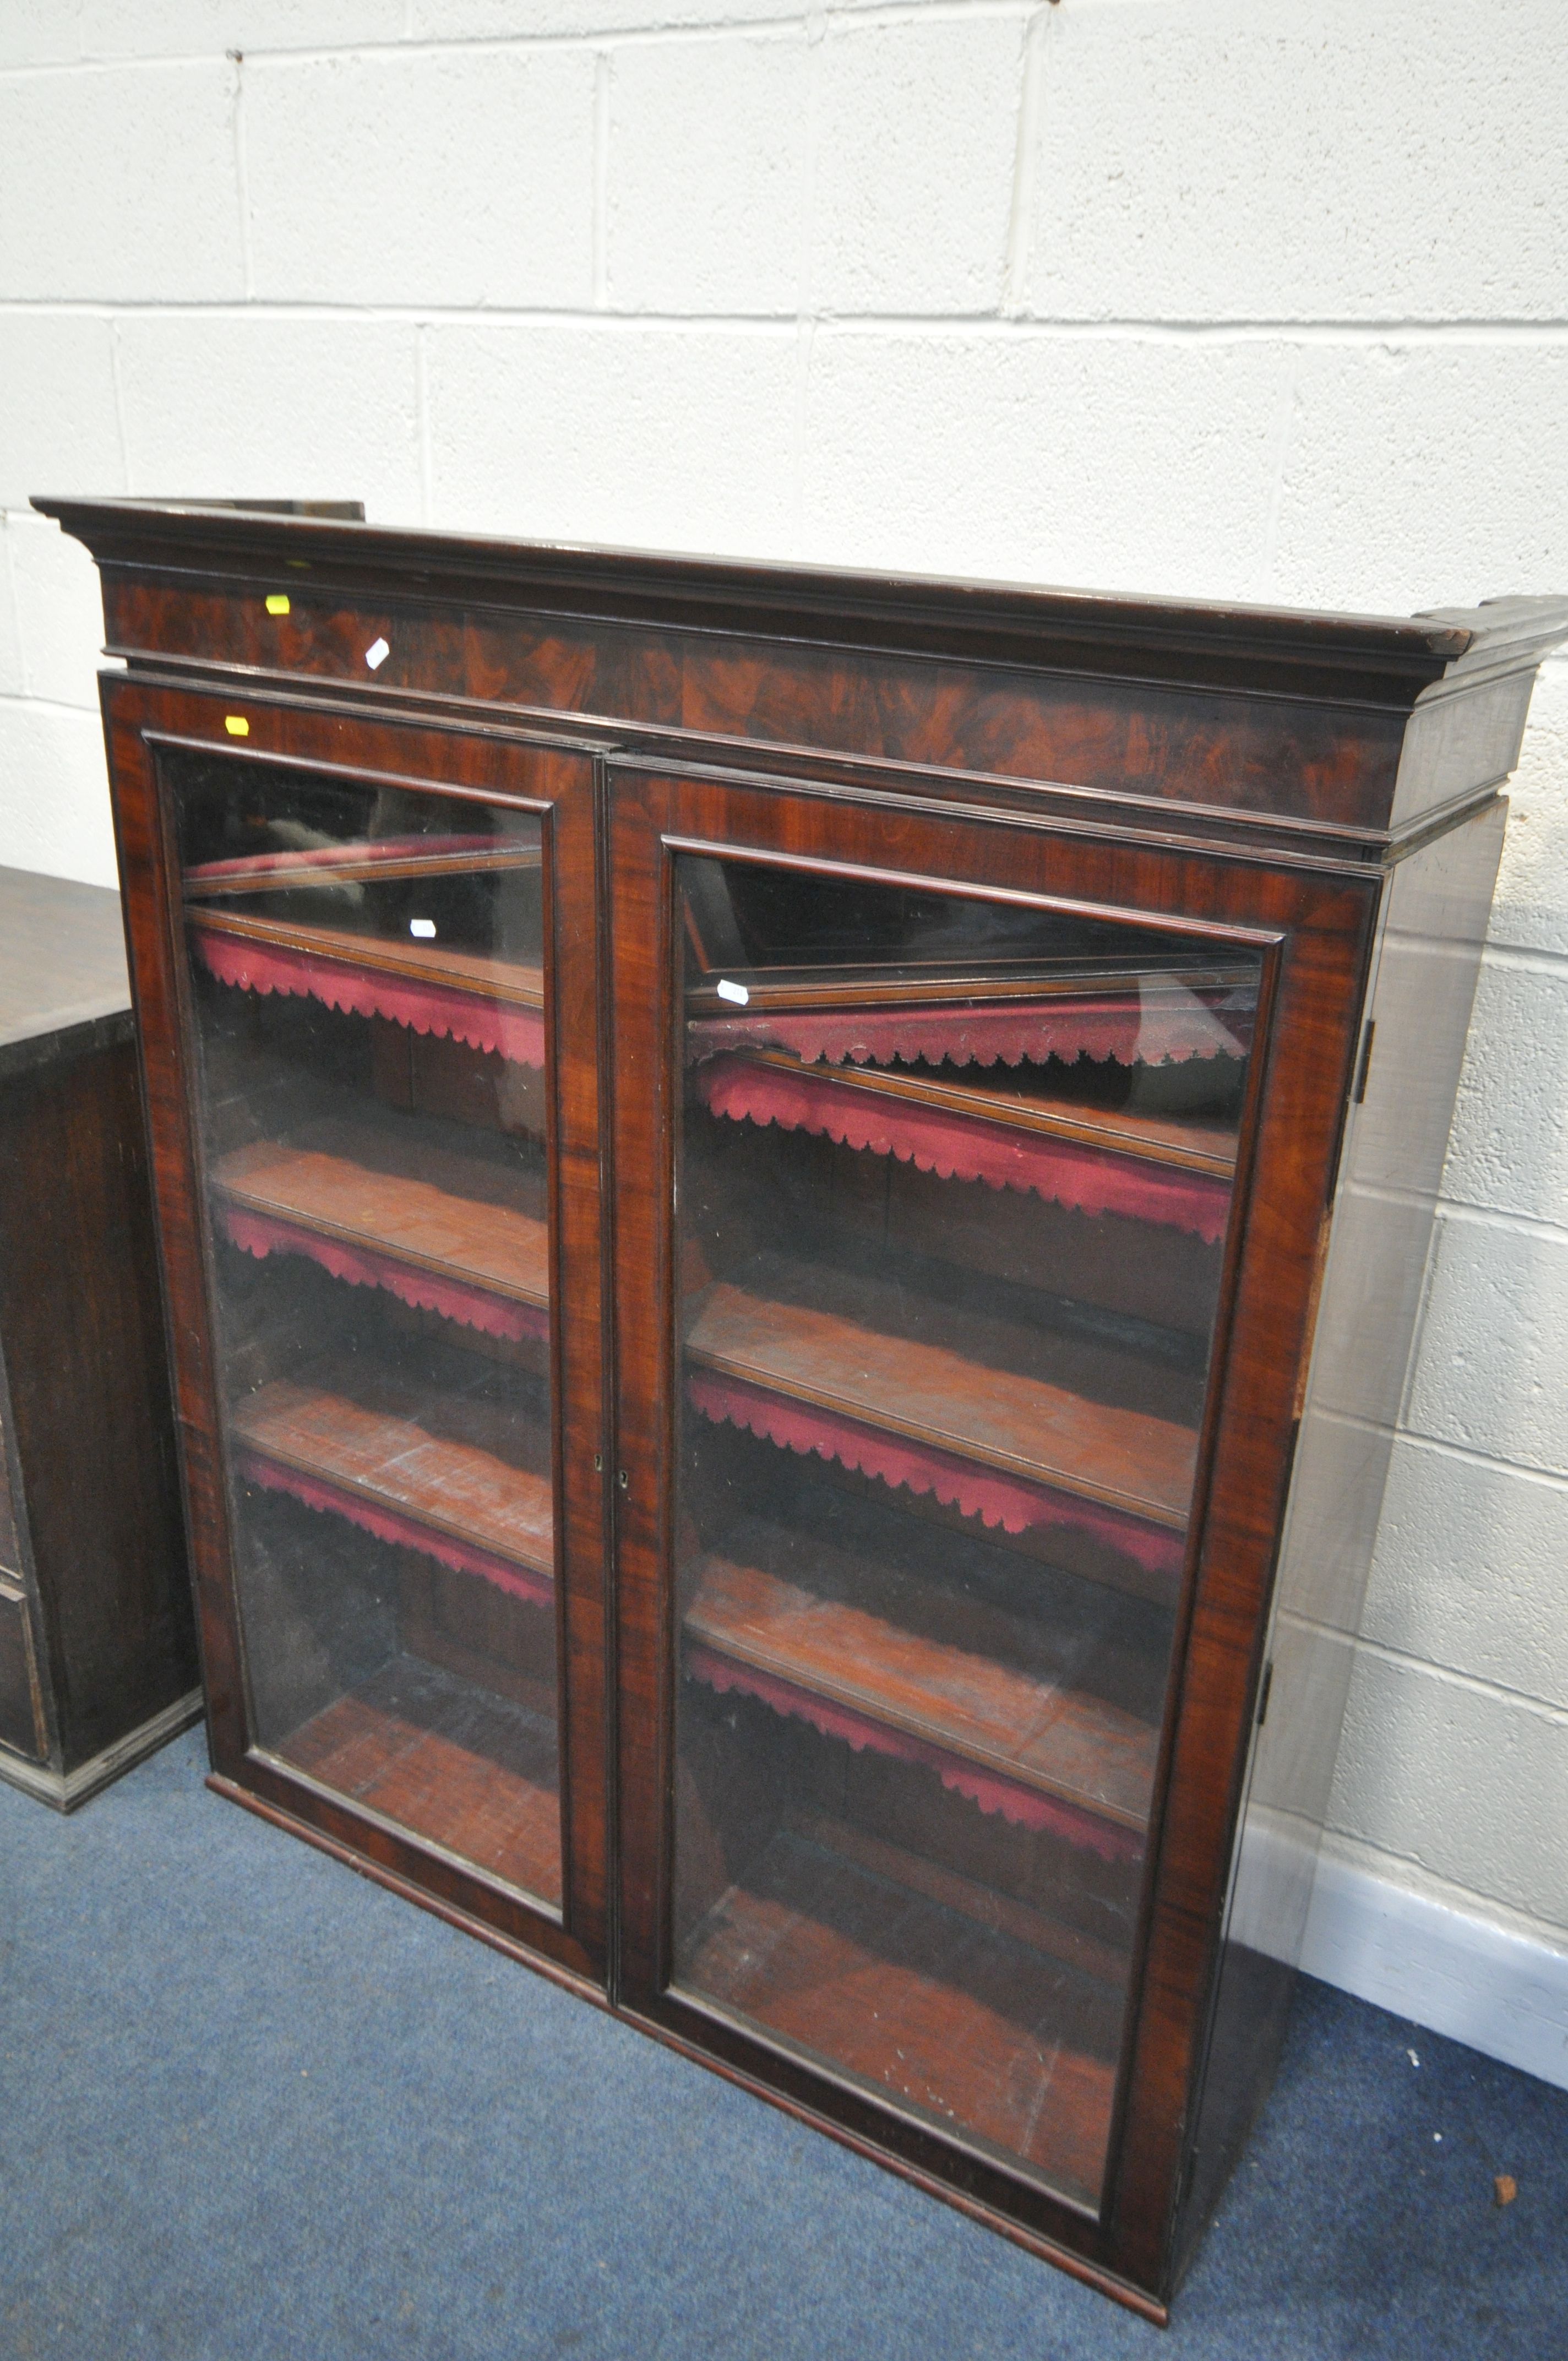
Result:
pixel 792 1213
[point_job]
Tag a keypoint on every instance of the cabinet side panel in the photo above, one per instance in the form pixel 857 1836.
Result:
pixel 10 1541
pixel 90 1399
pixel 20 1722
pixel 1425 969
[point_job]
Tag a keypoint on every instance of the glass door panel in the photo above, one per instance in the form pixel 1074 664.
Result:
pixel 953 1182
pixel 366 979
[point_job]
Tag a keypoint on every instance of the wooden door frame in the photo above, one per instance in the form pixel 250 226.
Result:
pixel 524 771
pixel 1315 929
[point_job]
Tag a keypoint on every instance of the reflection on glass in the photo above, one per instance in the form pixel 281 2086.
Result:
pixel 953 1184
pixel 366 971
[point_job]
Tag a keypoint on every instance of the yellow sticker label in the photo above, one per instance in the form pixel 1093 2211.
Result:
pixel 276 603
pixel 236 725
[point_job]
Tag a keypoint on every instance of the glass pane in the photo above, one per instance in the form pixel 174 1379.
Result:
pixel 953 1183
pixel 365 972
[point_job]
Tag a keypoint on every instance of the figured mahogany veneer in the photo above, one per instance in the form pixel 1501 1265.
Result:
pixel 435 1246
pixel 445 1494
pixel 1311 799
pixel 890 1677
pixel 1002 1418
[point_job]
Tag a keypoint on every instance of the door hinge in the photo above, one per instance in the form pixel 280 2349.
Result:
pixel 1264 1687
pixel 1359 1094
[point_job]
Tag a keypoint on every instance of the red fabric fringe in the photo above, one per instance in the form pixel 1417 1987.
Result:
pixel 1165 1024
pixel 968 1148
pixel 495 1025
pixel 997 1500
pixel 994 1792
pixel 388 1525
pixel 498 1315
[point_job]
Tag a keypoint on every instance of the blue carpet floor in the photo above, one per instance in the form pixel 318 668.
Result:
pixel 253 2108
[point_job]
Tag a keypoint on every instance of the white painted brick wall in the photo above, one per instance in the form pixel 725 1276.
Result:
pixel 120 184
pixel 13 673
pixel 592 431
pixel 917 136
pixel 326 400
pixel 351 165
pixel 1218 297
pixel 707 180
pixel 1356 160
pixel 985 451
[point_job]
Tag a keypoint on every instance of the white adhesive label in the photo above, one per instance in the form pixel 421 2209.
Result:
pixel 735 992
pixel 378 652
pixel 423 928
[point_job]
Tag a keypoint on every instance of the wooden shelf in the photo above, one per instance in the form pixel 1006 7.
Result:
pixel 377 1464
pixel 425 962
pixel 872 1651
pixel 342 865
pixel 493 1005
pixel 783 1343
pixel 902 982
pixel 970 2027
pixel 1203 1147
pixel 448 1761
pixel 1174 1174
pixel 1142 1018
pixel 382 1211
pixel 1024 1921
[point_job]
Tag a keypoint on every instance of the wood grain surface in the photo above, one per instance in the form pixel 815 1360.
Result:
pixel 461 1769
pixel 958 2020
pixel 327 1180
pixel 1045 1736
pixel 337 866
pixel 998 1417
pixel 1039 1103
pixel 1248 775
pixel 490 979
pixel 63 957
pixel 441 1481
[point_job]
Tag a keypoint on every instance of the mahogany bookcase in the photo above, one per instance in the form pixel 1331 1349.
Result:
pixel 791 1209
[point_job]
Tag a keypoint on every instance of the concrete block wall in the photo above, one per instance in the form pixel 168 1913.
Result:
pixel 1219 297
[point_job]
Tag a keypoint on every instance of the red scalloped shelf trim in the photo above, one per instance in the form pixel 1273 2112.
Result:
pixel 977 1491
pixel 498 1315
pixel 1161 1028
pixel 484 1023
pixel 968 1148
pixel 1024 1806
pixel 405 1533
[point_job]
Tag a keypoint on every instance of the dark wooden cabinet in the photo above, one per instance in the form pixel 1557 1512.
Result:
pixel 97 1642
pixel 792 1206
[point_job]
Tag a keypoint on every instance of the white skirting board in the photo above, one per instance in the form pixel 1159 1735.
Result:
pixel 1498 1991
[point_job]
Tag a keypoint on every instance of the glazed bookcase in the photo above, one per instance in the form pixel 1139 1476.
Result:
pixel 792 1208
